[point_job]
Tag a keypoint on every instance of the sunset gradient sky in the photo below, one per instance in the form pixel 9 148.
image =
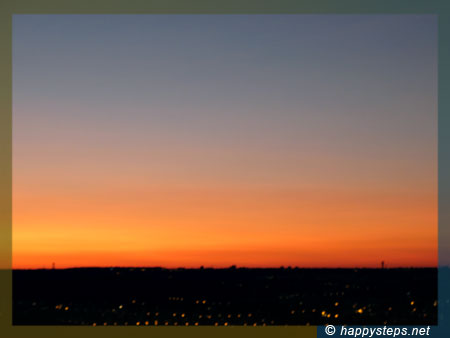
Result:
pixel 253 140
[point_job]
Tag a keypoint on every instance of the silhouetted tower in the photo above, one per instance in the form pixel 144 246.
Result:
pixel 382 264
pixel 53 265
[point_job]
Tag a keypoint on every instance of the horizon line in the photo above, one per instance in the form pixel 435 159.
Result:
pixel 231 267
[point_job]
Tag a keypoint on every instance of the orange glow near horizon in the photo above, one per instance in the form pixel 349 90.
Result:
pixel 223 227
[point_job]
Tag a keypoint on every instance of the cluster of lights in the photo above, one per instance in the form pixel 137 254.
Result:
pixel 176 298
pixel 324 314
pixel 61 307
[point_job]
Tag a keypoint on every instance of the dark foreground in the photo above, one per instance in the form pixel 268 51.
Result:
pixel 154 296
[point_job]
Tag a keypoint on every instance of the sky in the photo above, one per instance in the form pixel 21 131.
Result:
pixel 218 140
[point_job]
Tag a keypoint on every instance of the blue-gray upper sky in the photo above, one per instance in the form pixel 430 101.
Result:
pixel 358 84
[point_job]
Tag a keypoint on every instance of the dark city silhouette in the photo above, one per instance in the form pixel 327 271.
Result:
pixel 233 296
